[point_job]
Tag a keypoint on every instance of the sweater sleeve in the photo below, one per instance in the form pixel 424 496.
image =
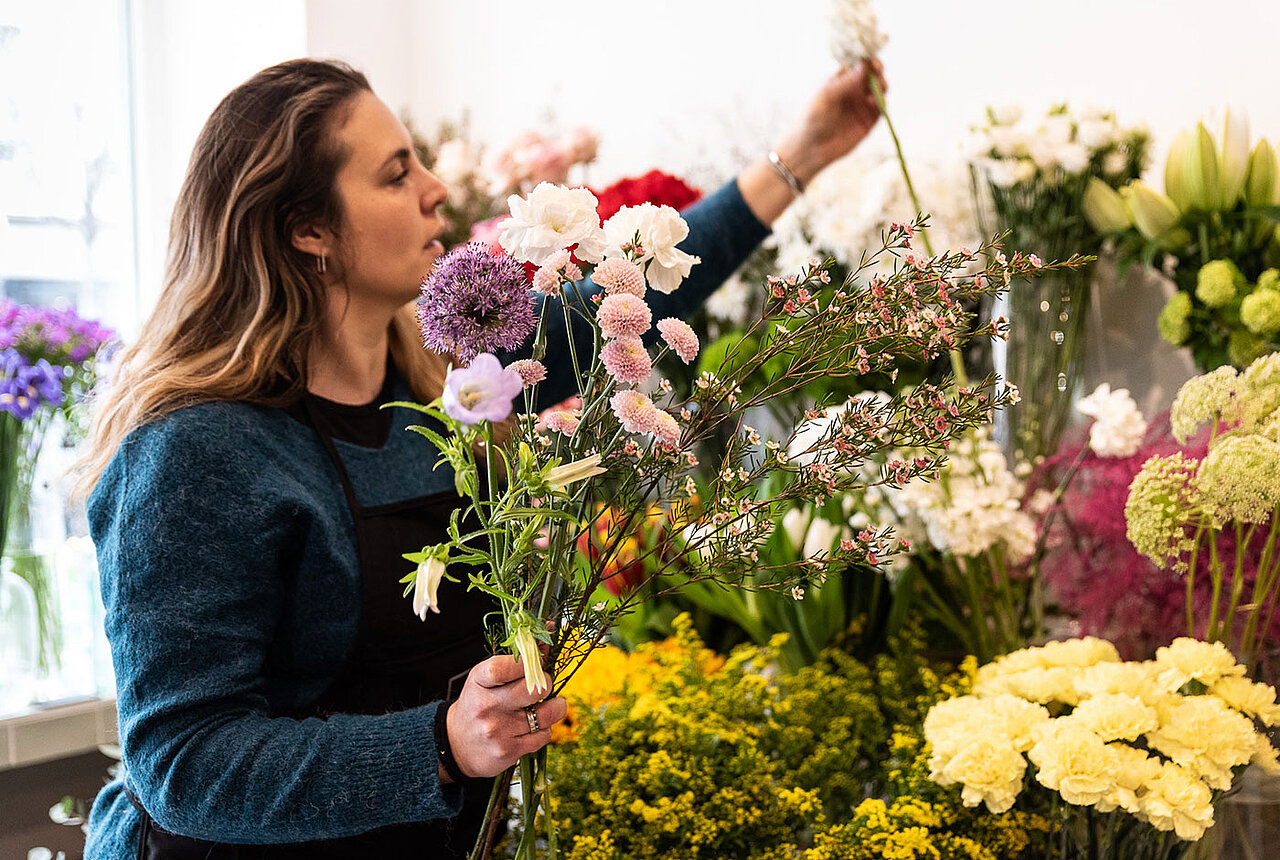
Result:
pixel 196 552
pixel 722 233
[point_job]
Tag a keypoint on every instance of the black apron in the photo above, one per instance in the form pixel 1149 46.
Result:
pixel 397 662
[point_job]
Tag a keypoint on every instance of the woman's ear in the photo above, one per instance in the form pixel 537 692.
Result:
pixel 310 238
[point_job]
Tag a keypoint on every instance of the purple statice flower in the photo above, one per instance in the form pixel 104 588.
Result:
pixel 482 391
pixel 25 387
pixel 475 301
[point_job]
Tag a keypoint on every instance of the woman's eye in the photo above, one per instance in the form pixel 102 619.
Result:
pixel 400 177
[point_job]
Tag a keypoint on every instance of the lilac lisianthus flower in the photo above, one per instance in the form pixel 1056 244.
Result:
pixel 25 387
pixel 475 301
pixel 482 391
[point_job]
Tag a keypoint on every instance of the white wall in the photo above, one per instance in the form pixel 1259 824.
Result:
pixel 679 83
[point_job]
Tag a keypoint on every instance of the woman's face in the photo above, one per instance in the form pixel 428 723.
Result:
pixel 389 236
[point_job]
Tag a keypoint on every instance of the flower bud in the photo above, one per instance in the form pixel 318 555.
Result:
pixel 1260 186
pixel 1104 208
pixel 1200 170
pixel 1233 158
pixel 1175 183
pixel 1154 214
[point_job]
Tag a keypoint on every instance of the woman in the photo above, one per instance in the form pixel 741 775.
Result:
pixel 250 504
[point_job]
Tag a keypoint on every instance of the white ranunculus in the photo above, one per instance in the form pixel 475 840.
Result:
pixel 660 229
pixel 550 219
pixel 1118 427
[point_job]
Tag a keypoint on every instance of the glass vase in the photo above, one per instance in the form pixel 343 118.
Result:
pixel 1044 358
pixel 19 641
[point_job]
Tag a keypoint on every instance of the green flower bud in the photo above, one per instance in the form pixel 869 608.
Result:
pixel 1260 311
pixel 1104 208
pixel 1175 171
pixel 1260 187
pixel 1172 322
pixel 1245 347
pixel 1154 214
pixel 1233 158
pixel 1200 170
pixel 1216 283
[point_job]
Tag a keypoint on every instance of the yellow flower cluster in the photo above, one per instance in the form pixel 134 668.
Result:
pixel 1154 739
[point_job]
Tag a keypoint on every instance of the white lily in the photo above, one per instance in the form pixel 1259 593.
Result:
pixel 579 470
pixel 426 585
pixel 1234 157
pixel 535 679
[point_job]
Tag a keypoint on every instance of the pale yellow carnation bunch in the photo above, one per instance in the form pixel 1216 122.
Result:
pixel 1155 739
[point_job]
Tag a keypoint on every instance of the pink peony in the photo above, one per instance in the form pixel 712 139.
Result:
pixel 531 372
pixel 680 337
pixel 626 360
pixel 665 427
pixel 623 315
pixel 635 410
pixel 619 275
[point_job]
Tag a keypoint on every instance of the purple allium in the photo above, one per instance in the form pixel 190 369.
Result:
pixel 475 301
pixel 482 391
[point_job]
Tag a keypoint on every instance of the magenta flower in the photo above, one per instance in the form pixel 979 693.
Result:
pixel 483 391
pixel 475 301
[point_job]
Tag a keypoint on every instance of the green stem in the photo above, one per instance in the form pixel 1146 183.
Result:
pixel 957 360
pixel 1215 569
pixel 1237 579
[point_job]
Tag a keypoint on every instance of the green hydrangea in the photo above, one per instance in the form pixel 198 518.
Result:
pixel 1244 347
pixel 1172 323
pixel 1239 480
pixel 1217 282
pixel 1161 509
pixel 1269 280
pixel 1260 311
pixel 1208 397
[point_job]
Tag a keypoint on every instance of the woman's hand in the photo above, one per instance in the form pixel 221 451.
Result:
pixel 489 727
pixel 841 114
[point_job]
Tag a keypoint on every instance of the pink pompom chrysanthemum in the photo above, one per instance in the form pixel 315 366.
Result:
pixel 559 267
pixel 623 315
pixel 531 371
pixel 627 360
pixel 561 420
pixel 619 275
pixel 665 427
pixel 680 337
pixel 635 410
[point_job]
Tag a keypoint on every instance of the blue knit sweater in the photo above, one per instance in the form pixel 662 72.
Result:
pixel 230 579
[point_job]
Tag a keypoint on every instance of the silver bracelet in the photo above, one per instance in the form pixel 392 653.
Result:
pixel 780 168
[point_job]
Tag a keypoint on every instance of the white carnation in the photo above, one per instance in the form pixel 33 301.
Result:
pixel 550 219
pixel 1118 426
pixel 660 229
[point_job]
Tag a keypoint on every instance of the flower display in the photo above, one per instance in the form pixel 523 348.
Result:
pixel 1214 230
pixel 1145 745
pixel 475 302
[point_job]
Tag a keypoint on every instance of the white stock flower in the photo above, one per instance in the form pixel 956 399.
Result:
pixel 856 34
pixel 660 229
pixel 1118 426
pixel 550 219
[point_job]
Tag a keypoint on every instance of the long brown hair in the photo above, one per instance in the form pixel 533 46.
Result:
pixel 241 307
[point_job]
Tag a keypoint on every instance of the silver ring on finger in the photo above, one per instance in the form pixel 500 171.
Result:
pixel 532 716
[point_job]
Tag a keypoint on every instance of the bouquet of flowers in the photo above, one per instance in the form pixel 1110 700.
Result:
pixel 1031 177
pixel 1216 231
pixel 632 447
pixel 47 358
pixel 1180 506
pixel 1134 755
